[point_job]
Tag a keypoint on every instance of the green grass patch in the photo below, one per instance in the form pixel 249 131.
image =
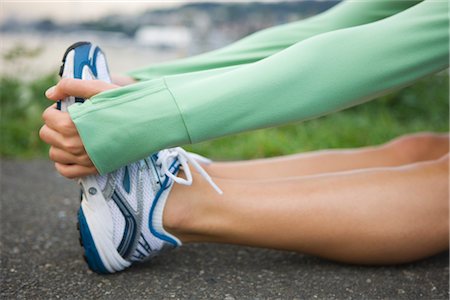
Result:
pixel 421 107
pixel 22 104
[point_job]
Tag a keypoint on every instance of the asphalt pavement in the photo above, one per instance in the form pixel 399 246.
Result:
pixel 42 259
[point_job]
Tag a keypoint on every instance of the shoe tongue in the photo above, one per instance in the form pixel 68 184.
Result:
pixel 172 163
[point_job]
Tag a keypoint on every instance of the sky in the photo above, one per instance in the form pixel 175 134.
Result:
pixel 81 9
pixel 63 10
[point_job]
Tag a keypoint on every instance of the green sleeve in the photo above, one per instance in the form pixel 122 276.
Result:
pixel 270 41
pixel 323 74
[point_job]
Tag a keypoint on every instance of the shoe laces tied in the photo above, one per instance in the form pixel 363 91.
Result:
pixel 185 158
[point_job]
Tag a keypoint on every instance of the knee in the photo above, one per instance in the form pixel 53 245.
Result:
pixel 419 146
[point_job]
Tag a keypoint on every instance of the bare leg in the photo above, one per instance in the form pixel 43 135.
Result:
pixel 370 216
pixel 400 151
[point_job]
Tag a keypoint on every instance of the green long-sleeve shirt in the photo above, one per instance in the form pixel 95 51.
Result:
pixel 322 73
pixel 270 41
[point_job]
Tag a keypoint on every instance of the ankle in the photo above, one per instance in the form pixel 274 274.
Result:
pixel 187 210
pixel 177 214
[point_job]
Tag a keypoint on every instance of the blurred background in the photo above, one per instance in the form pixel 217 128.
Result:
pixel 34 35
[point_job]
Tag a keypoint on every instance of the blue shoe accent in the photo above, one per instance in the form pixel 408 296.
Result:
pixel 173 168
pixel 82 58
pixel 130 230
pixel 70 48
pixel 82 50
pixel 93 258
pixel 126 180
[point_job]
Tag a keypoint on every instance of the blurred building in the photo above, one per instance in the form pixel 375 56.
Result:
pixel 177 37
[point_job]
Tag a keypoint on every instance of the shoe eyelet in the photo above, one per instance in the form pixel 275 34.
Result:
pixel 92 191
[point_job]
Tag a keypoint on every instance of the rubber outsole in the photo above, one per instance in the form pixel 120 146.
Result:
pixel 90 255
pixel 71 47
pixel 61 68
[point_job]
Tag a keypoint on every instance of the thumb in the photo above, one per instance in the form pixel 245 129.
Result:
pixel 78 88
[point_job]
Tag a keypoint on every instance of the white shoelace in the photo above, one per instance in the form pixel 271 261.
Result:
pixel 184 157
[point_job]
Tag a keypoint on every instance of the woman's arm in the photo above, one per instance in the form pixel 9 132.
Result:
pixel 270 41
pixel 320 75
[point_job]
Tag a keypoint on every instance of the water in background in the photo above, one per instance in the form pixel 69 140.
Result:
pixel 32 48
pixel 31 55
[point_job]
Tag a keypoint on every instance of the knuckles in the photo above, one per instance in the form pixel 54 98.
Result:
pixel 83 159
pixel 64 83
pixel 73 146
pixel 66 125
pixel 70 146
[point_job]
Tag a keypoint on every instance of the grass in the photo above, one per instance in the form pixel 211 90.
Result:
pixel 22 104
pixel 421 107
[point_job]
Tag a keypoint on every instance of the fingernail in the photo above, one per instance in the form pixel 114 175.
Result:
pixel 50 91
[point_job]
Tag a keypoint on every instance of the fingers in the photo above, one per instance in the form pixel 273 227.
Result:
pixel 59 121
pixel 51 137
pixel 74 171
pixel 60 156
pixel 73 145
pixel 59 131
pixel 78 88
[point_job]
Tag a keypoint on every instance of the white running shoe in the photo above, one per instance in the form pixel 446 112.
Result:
pixel 120 218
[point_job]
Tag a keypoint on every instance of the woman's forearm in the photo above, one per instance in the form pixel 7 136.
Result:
pixel 270 41
pixel 323 74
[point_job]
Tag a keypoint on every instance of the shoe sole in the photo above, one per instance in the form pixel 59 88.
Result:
pixel 96 231
pixel 67 71
pixel 95 224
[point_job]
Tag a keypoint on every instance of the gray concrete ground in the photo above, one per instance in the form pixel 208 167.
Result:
pixel 41 259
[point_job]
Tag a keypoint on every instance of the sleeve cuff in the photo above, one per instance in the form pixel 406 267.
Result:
pixel 123 125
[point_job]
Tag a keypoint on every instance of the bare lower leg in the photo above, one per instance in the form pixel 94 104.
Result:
pixel 383 215
pixel 400 151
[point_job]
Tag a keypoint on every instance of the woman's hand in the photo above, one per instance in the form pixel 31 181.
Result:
pixel 67 149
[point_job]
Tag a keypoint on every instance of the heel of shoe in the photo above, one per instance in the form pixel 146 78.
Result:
pixel 91 254
pixel 96 231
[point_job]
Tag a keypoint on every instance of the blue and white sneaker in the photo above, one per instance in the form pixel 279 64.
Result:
pixel 120 218
pixel 82 60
